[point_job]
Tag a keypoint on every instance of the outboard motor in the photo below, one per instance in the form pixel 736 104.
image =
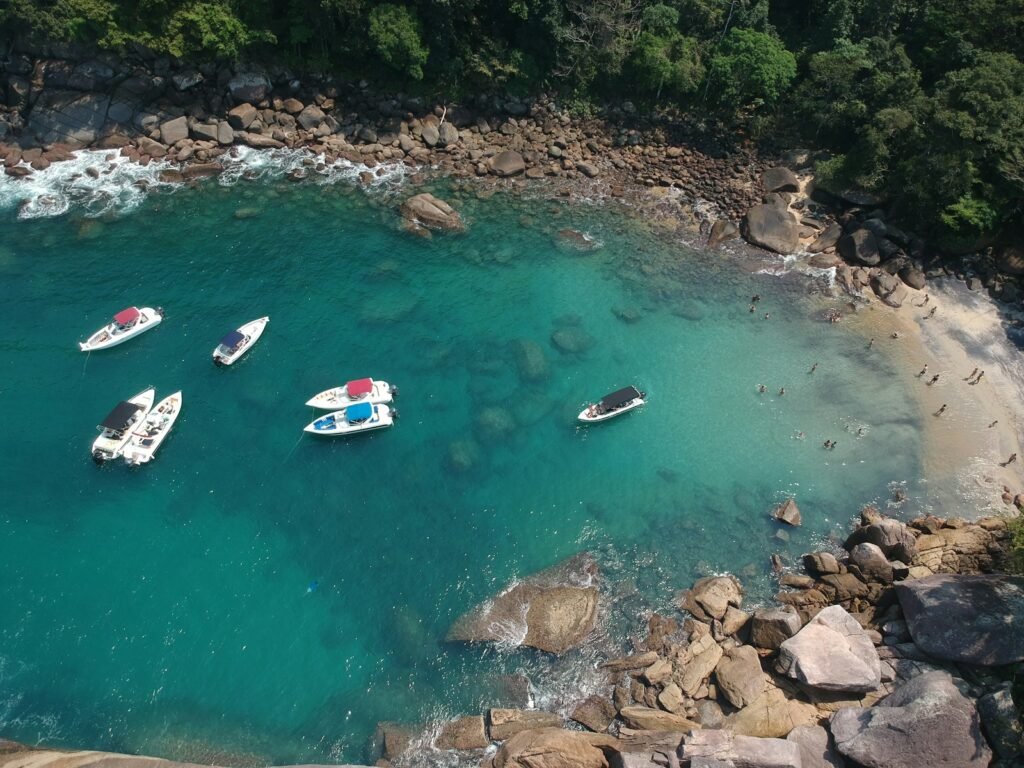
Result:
pixel 394 413
pixel 98 457
pixel 394 391
pixel 218 362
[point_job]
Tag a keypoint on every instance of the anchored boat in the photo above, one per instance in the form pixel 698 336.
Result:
pixel 153 431
pixel 116 429
pixel 615 404
pixel 355 391
pixel 126 324
pixel 361 417
pixel 239 341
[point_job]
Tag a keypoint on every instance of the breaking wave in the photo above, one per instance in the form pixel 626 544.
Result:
pixel 99 182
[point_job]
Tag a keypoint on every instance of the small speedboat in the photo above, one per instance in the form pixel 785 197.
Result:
pixel 126 324
pixel 615 404
pixel 116 429
pixel 356 391
pixel 148 436
pixel 238 342
pixel 361 417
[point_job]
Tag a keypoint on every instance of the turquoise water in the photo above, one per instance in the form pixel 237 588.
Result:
pixel 166 609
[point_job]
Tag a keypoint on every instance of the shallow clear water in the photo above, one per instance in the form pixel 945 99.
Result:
pixel 166 610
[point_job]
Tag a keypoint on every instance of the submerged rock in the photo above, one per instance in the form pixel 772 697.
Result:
pixel 531 360
pixel 572 341
pixel 552 611
pixel 428 211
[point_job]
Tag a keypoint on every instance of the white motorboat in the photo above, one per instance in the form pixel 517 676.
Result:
pixel 238 342
pixel 361 417
pixel 615 404
pixel 153 430
pixel 356 391
pixel 126 324
pixel 116 429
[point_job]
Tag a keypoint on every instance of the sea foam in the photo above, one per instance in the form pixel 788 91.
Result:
pixel 98 182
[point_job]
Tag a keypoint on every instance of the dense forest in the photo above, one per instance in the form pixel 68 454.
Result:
pixel 921 101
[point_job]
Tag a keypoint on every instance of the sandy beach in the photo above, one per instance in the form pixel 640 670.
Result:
pixel 968 331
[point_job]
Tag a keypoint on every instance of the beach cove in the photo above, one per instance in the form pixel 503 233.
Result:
pixel 138 601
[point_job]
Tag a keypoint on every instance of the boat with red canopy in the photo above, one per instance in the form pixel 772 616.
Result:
pixel 127 323
pixel 355 391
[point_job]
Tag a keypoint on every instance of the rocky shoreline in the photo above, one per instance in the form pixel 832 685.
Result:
pixel 60 98
pixel 899 650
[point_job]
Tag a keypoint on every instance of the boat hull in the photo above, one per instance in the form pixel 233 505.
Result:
pixel 599 417
pixel 252 331
pixel 337 398
pixel 108 336
pixel 110 444
pixel 153 430
pixel 335 424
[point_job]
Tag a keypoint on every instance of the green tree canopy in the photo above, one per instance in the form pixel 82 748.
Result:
pixel 750 66
pixel 396 34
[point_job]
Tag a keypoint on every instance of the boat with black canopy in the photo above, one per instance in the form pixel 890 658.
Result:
pixel 361 417
pixel 239 341
pixel 126 324
pixel 116 428
pixel 615 404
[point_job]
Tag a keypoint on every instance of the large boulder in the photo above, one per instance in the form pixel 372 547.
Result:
pixel 773 714
pixel 249 86
pixel 1002 722
pixel 173 131
pixel 892 537
pixel 447 134
pixel 872 562
pixel 595 713
pixel 926 723
pixel 710 597
pixel 739 676
pixel 428 211
pixel 552 611
pixel 771 227
pixel 780 179
pixel 730 749
pixel 721 231
pixel 507 163
pixel 310 117
pixel 831 653
pixel 788 512
pixel 771 627
pixel 555 748
pixel 969 619
pixel 68 117
pixel 241 117
pixel 860 247
pixel 889 289
pixel 505 723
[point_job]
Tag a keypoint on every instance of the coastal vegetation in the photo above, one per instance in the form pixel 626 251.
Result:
pixel 920 103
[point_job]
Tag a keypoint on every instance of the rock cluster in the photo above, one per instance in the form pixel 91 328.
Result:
pixel 854 668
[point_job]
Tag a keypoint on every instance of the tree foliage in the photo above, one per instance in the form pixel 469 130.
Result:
pixel 921 101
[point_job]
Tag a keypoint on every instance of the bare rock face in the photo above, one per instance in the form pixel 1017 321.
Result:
pixel 771 627
pixel 649 719
pixel 249 86
pixel 968 619
pixel 773 714
pixel 831 653
pixel 505 723
pixel 71 117
pixel 728 749
pixel 555 748
pixel 425 210
pixel 464 733
pixel 595 713
pixel 552 611
pixel 780 179
pixel 860 247
pixel 817 749
pixel 926 723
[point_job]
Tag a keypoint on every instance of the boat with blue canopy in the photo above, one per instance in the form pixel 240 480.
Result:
pixel 361 417
pixel 239 341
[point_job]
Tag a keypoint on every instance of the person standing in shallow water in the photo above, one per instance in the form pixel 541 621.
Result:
pixel 924 370
pixel 971 375
pixel 941 410
pixel 933 379
pixel 1013 458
